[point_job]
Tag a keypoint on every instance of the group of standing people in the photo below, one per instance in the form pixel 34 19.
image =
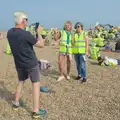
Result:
pixel 21 43
pixel 72 44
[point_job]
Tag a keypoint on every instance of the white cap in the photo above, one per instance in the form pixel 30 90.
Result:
pixel 19 16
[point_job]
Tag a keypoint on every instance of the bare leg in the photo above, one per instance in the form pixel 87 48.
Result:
pixel 36 95
pixel 60 63
pixel 18 91
pixel 61 67
pixel 68 65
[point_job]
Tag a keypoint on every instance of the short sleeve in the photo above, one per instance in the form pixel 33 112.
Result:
pixel 31 39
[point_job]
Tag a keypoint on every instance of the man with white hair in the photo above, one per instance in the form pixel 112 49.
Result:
pixel 21 44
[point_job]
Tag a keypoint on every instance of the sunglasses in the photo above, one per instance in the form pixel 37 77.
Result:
pixel 26 19
pixel 77 26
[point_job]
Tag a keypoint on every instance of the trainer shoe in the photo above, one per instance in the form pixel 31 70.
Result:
pixel 40 114
pixel 60 78
pixel 15 106
pixel 68 77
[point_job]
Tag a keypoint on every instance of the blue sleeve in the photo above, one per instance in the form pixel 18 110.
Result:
pixel 31 39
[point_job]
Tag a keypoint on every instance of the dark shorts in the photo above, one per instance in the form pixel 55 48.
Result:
pixel 33 74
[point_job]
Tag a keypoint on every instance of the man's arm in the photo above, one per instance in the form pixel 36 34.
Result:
pixel 37 42
pixel 40 41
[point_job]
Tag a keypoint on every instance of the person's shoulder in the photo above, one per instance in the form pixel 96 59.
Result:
pixel 10 30
pixel 24 32
pixel 16 30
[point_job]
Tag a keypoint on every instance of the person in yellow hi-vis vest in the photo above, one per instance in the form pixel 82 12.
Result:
pixel 27 28
pixel 65 50
pixel 8 50
pixel 94 52
pixel 80 51
pixel 107 61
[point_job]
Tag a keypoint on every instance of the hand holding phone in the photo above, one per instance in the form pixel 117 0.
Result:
pixel 85 58
pixel 39 29
pixel 36 26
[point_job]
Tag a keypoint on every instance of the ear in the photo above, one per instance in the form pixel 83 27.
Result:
pixel 23 21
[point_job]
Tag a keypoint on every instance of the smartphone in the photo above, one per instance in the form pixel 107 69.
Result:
pixel 36 26
pixel 85 58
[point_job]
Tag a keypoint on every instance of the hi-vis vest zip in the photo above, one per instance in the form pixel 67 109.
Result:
pixel 64 47
pixel 79 45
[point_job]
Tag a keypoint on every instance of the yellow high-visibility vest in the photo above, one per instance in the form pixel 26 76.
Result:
pixel 79 45
pixel 64 47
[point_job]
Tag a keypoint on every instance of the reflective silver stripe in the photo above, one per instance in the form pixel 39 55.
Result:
pixel 65 46
pixel 79 47
pixel 69 46
pixel 62 40
pixel 80 41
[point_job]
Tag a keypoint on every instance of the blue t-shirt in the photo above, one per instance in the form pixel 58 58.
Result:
pixel 21 44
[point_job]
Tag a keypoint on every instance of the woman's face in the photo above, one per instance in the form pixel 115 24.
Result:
pixel 98 27
pixel 78 29
pixel 68 26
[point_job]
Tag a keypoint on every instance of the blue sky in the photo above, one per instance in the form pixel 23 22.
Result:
pixel 52 13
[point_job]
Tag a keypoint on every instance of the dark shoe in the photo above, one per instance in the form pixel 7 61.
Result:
pixel 84 80
pixel 78 78
pixel 36 115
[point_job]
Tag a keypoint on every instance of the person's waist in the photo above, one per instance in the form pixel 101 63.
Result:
pixel 26 67
pixel 67 45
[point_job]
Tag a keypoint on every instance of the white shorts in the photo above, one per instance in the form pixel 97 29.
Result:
pixel 66 54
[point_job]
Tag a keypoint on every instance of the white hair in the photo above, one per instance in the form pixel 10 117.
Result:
pixel 19 16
